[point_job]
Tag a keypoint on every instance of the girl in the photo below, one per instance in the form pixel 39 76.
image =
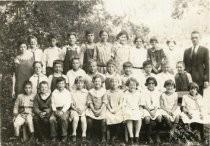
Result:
pixel 121 50
pixel 51 54
pixel 70 51
pixel 133 109
pixel 103 51
pixel 23 110
pixel 168 102
pixel 114 115
pixel 97 101
pixel 23 69
pixel 79 105
pixel 151 105
pixel 156 55
pixel 88 48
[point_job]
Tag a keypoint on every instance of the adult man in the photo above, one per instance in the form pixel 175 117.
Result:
pixel 196 59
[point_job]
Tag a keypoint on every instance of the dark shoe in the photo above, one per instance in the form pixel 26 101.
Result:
pixel 103 140
pixel 131 141
pixel 136 139
pixel 150 141
pixel 74 138
pixel 31 138
pixel 83 139
pixel 157 139
pixel 53 139
pixel 64 138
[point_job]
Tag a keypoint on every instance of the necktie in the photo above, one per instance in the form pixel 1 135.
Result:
pixel 38 84
pixel 193 51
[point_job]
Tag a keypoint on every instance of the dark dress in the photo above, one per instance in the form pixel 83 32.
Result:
pixel 88 55
pixel 182 82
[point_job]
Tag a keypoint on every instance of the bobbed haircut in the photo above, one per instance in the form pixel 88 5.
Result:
pixel 169 83
pixel 131 79
pixel 98 76
pixel 150 79
pixel 43 83
pixel 122 33
pixel 55 62
pixel 138 37
pixel 127 64
pixel 79 79
pixel 60 79
pixel 193 85
pixel 27 83
pixel 37 62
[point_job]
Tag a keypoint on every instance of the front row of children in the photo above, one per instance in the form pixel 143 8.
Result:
pixel 109 108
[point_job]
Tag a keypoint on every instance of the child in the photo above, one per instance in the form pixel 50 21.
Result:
pixel 97 101
pixel 133 112
pixel 58 68
pixel 23 69
pixel 61 102
pixel 115 111
pixel 151 105
pixel 138 51
pixel 23 110
pixel 156 55
pixel 169 103
pixel 103 51
pixel 111 73
pixel 79 105
pixel 182 78
pixel 164 75
pixel 37 77
pixel 92 72
pixel 51 54
pixel 42 110
pixel 70 51
pixel 74 72
pixel 88 49
pixel 38 54
pixel 121 50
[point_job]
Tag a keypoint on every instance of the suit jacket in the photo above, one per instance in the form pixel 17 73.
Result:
pixel 197 65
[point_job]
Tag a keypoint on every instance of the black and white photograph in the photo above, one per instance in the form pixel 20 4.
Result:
pixel 104 73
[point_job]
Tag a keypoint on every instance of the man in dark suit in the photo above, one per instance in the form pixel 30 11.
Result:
pixel 196 59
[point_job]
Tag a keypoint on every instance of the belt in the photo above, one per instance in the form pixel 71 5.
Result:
pixel 138 67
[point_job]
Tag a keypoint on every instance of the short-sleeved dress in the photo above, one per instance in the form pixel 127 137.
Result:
pixel 132 106
pixel 79 100
pixel 168 102
pixel 193 104
pixel 115 99
pixel 23 71
pixel 151 99
pixel 97 98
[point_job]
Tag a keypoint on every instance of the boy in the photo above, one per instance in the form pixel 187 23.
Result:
pixel 61 101
pixel 58 68
pixel 23 110
pixel 74 72
pixel 42 110
pixel 37 77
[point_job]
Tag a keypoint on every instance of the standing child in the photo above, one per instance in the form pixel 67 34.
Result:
pixel 115 110
pixel 88 49
pixel 58 69
pixel 121 50
pixel 169 103
pixel 151 105
pixel 97 101
pixel 103 52
pixel 74 72
pixel 42 110
pixel 70 51
pixel 23 110
pixel 111 73
pixel 61 102
pixel 51 54
pixel 182 78
pixel 37 77
pixel 156 55
pixel 133 110
pixel 79 105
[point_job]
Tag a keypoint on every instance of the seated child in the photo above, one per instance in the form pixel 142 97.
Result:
pixel 111 72
pixel 151 105
pixel 169 103
pixel 182 78
pixel 97 100
pixel 58 69
pixel 37 77
pixel 115 112
pixel 23 110
pixel 74 72
pixel 61 102
pixel 133 109
pixel 78 108
pixel 42 111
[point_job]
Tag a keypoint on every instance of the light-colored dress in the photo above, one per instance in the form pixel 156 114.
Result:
pixel 115 99
pixel 194 106
pixel 79 100
pixel 137 57
pixel 151 99
pixel 168 102
pixel 132 106
pixel 97 98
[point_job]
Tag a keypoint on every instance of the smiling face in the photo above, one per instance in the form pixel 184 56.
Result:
pixel 75 64
pixel 93 67
pixel 180 68
pixel 165 68
pixel 61 85
pixel 22 48
pixel 44 88
pixel 80 85
pixel 193 91
pixel 33 42
pixel 72 39
pixel 132 86
pixel 97 83
pixel 128 70
pixel 123 39
pixel 114 83
pixel 169 88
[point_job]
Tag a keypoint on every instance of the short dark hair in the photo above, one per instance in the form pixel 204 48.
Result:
pixel 52 36
pixel 131 79
pixel 72 33
pixel 32 37
pixel 181 62
pixel 169 41
pixel 122 33
pixel 195 32
pixel 169 82
pixel 43 83
pixel 102 31
pixel 147 62
pixel 37 62
pixel 98 76
pixel 127 64
pixel 89 31
pixel 79 79
pixel 150 79
pixel 60 79
pixel 138 37
pixel 193 85
pixel 57 62
pixel 152 39
pixel 111 61
pixel 27 83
